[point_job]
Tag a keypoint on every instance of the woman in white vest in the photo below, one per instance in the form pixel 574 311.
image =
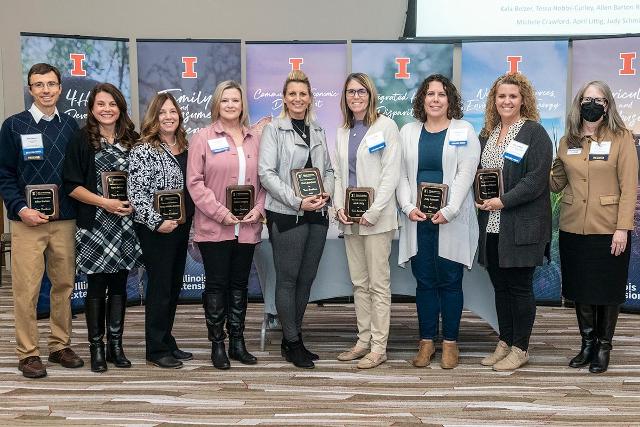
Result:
pixel 367 161
pixel 441 149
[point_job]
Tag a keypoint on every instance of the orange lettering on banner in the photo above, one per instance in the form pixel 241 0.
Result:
pixel 514 62
pixel 189 67
pixel 403 68
pixel 627 64
pixel 296 63
pixel 77 60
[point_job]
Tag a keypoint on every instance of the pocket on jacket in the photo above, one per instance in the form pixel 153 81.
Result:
pixel 609 200
pixel 527 232
pixel 567 198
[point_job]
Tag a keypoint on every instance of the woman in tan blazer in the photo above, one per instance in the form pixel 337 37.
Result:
pixel 367 155
pixel 597 170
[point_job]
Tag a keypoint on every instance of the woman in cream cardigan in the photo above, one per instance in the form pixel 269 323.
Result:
pixel 438 148
pixel 367 155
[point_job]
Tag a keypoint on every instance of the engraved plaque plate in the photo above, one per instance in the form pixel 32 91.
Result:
pixel 114 185
pixel 170 205
pixel 488 184
pixel 357 202
pixel 44 198
pixel 307 182
pixel 240 199
pixel 432 197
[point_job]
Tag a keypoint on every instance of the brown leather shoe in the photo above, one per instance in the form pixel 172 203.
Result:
pixel 67 358
pixel 450 355
pixel 32 367
pixel 426 350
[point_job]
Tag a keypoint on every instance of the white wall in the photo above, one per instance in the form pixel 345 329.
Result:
pixel 206 19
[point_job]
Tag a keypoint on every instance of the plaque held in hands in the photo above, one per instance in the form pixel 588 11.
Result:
pixel 488 184
pixel 432 197
pixel 357 201
pixel 240 200
pixel 44 199
pixel 114 185
pixel 307 182
pixel 170 205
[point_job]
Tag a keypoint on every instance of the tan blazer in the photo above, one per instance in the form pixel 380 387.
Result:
pixel 599 196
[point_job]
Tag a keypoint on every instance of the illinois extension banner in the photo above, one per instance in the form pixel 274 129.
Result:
pixel 545 64
pixel 398 69
pixel 83 62
pixel 190 71
pixel 616 62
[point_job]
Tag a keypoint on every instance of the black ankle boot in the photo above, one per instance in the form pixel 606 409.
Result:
pixel 94 313
pixel 236 314
pixel 116 307
pixel 214 309
pixel 586 323
pixel 295 354
pixel 309 354
pixel 606 319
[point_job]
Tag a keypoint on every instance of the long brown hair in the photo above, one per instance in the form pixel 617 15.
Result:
pixel 528 109
pixel 125 133
pixel 611 120
pixel 150 129
pixel 454 110
pixel 372 113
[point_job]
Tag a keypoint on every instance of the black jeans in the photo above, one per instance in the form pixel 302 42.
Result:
pixel 101 284
pixel 164 255
pixel 515 302
pixel 227 265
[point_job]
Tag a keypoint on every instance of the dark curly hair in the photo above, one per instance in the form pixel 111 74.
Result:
pixel 125 133
pixel 454 111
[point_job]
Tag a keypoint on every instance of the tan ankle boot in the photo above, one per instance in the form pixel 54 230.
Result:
pixel 501 351
pixel 515 359
pixel 450 355
pixel 425 354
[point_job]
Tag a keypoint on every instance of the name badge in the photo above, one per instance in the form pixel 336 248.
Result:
pixel 458 136
pixel 375 142
pixel 218 145
pixel 515 151
pixel 600 150
pixel 32 147
pixel 574 151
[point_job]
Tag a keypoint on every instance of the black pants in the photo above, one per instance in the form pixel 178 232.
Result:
pixel 515 302
pixel 227 265
pixel 101 284
pixel 164 258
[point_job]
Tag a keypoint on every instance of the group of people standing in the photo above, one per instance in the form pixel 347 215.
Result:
pixel 596 168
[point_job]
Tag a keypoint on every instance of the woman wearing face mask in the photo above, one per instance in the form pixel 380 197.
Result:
pixel 361 161
pixel 597 171
pixel 158 163
pixel 297 225
pixel 106 243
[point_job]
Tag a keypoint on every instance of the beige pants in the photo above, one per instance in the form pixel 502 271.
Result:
pixel 368 258
pixel 30 246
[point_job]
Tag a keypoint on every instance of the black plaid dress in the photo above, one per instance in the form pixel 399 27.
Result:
pixel 111 245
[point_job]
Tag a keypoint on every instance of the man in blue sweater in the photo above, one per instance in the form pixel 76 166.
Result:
pixel 32 147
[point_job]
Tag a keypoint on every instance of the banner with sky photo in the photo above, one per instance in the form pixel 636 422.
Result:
pixel 190 71
pixel 398 69
pixel 83 62
pixel 545 64
pixel 615 61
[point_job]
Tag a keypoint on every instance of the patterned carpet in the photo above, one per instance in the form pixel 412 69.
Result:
pixel 335 393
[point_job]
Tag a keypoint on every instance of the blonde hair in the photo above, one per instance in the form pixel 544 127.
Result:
pixel 217 98
pixel 150 129
pixel 528 109
pixel 611 121
pixel 371 114
pixel 297 76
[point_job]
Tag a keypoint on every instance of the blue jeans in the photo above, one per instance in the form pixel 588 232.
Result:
pixel 439 286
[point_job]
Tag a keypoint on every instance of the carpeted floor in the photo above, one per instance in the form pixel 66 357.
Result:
pixel 273 392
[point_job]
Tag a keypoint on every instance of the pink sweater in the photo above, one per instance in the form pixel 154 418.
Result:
pixel 209 174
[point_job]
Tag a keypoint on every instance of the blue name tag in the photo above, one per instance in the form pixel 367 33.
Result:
pixel 458 137
pixel 457 143
pixel 32 147
pixel 218 145
pixel 515 151
pixel 375 142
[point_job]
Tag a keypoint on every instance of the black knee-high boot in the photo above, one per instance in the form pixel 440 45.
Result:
pixel 116 307
pixel 214 310
pixel 94 313
pixel 235 324
pixel 586 323
pixel 606 319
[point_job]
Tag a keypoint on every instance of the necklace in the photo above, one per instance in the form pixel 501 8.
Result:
pixel 172 144
pixel 302 131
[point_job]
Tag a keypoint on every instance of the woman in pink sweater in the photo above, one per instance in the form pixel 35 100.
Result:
pixel 222 178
